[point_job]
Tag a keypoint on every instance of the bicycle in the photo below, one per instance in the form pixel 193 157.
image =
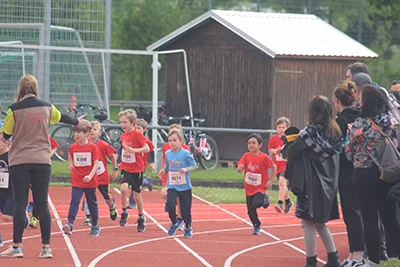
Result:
pixel 64 135
pixel 203 147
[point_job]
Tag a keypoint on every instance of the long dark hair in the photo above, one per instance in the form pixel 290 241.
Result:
pixel 374 101
pixel 320 112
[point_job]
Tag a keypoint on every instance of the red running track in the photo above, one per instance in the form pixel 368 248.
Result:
pixel 221 237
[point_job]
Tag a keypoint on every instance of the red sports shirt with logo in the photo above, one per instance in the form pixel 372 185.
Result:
pixel 83 158
pixel 132 162
pixel 255 172
pixel 275 142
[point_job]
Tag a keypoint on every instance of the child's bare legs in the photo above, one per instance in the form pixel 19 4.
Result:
pixel 124 193
pixel 283 190
pixel 139 201
pixel 283 195
pixel 164 193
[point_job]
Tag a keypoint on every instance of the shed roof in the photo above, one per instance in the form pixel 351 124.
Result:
pixel 279 34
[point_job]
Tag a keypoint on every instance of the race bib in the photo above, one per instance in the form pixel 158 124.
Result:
pixel 101 168
pixel 177 178
pixel 4 179
pixel 253 178
pixel 82 159
pixel 128 157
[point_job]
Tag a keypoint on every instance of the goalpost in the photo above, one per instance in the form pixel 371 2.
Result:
pixel 102 52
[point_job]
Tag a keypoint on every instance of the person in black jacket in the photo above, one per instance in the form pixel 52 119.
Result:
pixel 315 154
pixel 343 99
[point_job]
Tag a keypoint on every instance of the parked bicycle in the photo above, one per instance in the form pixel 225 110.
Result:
pixel 203 147
pixel 64 135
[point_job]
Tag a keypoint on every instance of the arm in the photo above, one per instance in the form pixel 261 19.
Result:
pixel 151 160
pixel 144 149
pixel 356 138
pixel 52 152
pixel 89 177
pixel 8 126
pixel 164 169
pixel 70 162
pixel 272 177
pixel 115 167
pixel 191 162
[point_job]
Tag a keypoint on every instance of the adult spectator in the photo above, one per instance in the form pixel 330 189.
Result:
pixel 353 69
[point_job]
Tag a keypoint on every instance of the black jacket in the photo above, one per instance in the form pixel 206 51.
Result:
pixel 348 115
pixel 316 163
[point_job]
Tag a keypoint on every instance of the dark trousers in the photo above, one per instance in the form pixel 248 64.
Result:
pixel 38 176
pixel 351 211
pixel 185 200
pixel 253 203
pixel 76 195
pixel 371 193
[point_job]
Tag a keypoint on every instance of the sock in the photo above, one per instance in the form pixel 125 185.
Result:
pixel 124 211
pixel 287 201
pixel 88 216
pixel 188 225
pixel 140 215
pixel 15 247
pixel 280 202
pixel 178 218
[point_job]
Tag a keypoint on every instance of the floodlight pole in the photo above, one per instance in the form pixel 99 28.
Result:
pixel 155 108
pixel 47 42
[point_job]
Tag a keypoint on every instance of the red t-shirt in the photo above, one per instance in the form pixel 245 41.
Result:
pixel 165 148
pixel 255 172
pixel 83 158
pixel 146 155
pixel 105 150
pixel 132 162
pixel 274 142
pixel 53 143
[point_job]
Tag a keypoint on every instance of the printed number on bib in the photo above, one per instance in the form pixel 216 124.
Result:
pixel 4 179
pixel 253 178
pixel 82 159
pixel 128 157
pixel 101 168
pixel 177 178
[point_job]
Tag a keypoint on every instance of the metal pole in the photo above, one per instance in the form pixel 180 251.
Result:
pixel 107 38
pixel 47 42
pixel 209 4
pixel 107 103
pixel 258 5
pixel 360 20
pixel 309 6
pixel 155 108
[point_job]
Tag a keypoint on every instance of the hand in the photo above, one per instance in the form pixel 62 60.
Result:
pixel 161 173
pixel 270 183
pixel 70 167
pixel 115 156
pixel 87 179
pixel 240 168
pixel 130 149
pixel 349 125
pixel 114 175
pixel 152 168
pixel 82 117
pixel 183 170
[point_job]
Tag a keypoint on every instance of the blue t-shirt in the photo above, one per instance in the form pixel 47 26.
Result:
pixel 174 161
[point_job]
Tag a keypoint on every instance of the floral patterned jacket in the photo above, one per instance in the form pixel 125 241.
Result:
pixel 363 135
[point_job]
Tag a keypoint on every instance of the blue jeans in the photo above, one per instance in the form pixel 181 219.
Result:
pixel 91 200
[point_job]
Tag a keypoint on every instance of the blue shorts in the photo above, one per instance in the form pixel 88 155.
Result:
pixel 7 206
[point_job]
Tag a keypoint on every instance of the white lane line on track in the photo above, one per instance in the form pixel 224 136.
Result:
pixel 195 254
pixel 233 256
pixel 263 231
pixel 66 238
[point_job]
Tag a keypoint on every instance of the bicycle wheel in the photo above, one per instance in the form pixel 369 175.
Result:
pixel 209 157
pixel 64 138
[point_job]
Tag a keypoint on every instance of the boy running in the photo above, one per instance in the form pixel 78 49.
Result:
pixel 103 177
pixel 256 181
pixel 179 163
pixel 83 162
pixel 275 146
pixel 132 166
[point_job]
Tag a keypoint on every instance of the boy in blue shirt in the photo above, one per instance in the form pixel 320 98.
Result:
pixel 178 163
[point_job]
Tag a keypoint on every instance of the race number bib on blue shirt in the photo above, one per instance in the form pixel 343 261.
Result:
pixel 4 179
pixel 82 159
pixel 177 178
pixel 253 178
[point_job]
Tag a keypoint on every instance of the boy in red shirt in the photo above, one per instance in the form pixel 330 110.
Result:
pixel 132 165
pixel 141 126
pixel 103 177
pixel 83 162
pixel 256 181
pixel 275 146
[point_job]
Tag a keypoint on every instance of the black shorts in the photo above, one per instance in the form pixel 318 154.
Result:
pixel 135 180
pixel 7 206
pixel 281 174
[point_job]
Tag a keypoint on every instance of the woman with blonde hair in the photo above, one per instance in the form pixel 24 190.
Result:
pixel 28 121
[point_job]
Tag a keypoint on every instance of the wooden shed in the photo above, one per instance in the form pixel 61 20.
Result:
pixel 247 69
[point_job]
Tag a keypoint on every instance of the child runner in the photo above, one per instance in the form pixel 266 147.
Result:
pixel 31 207
pixel 103 177
pixel 275 145
pixel 179 163
pixel 164 188
pixel 256 181
pixel 141 126
pixel 83 162
pixel 132 166
pixel 6 194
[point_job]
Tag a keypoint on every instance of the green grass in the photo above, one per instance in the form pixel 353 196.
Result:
pixel 60 168
pixel 390 263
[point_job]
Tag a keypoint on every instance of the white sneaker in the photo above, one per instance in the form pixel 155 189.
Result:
pixel 12 252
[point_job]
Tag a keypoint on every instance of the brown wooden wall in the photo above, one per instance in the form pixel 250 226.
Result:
pixel 297 81
pixel 230 80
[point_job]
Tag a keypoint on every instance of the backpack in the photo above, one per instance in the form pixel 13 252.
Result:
pixel 387 158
